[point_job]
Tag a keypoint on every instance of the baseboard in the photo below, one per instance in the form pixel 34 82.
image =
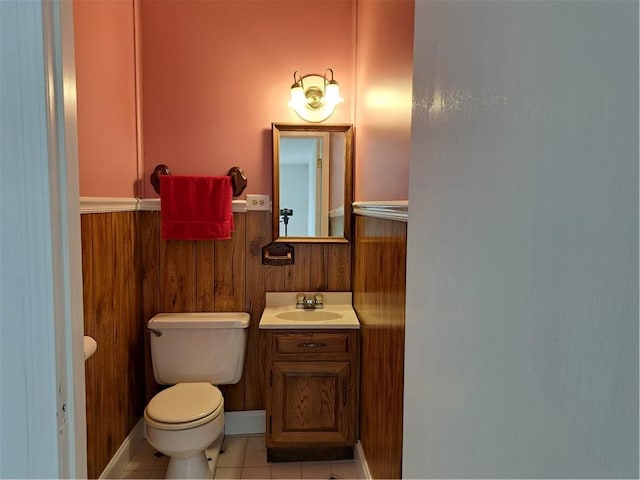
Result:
pixel 253 422
pixel 119 461
pixel 361 462
pixel 236 423
pixel 244 423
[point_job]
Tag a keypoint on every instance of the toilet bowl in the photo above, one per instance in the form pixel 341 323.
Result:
pixel 192 352
pixel 182 421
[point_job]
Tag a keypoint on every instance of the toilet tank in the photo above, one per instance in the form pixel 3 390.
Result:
pixel 198 347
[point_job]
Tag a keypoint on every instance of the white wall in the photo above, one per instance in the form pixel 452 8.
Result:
pixel 27 329
pixel 522 302
pixel 295 197
pixel 42 421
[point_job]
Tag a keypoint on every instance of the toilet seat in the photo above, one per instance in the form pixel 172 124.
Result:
pixel 183 406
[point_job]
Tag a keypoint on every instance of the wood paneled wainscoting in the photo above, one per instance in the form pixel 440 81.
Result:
pixel 228 275
pixel 379 290
pixel 130 274
pixel 115 373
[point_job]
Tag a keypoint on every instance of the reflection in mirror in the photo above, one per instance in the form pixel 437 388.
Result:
pixel 312 182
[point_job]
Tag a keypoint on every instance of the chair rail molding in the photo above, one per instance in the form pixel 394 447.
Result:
pixel 391 210
pixel 119 204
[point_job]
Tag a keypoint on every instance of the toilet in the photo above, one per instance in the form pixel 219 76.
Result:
pixel 193 352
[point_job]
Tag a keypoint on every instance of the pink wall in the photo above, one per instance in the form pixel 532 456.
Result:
pixel 383 109
pixel 105 78
pixel 216 74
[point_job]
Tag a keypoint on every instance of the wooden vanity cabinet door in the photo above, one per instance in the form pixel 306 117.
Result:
pixel 312 391
pixel 311 403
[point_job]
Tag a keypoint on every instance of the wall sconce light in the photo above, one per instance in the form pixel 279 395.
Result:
pixel 314 97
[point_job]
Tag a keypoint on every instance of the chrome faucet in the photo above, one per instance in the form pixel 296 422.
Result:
pixel 309 303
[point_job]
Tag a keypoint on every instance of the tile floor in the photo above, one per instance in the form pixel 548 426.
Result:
pixel 243 457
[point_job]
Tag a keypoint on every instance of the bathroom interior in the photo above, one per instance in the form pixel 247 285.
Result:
pixel 522 240
pixel 196 86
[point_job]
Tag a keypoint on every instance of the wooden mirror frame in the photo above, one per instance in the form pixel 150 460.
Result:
pixel 345 128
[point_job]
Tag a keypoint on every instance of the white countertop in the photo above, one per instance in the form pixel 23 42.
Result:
pixel 338 303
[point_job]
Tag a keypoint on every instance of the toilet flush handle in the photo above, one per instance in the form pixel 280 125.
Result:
pixel 157 333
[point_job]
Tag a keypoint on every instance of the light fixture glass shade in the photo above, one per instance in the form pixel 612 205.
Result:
pixel 332 93
pixel 314 97
pixel 298 99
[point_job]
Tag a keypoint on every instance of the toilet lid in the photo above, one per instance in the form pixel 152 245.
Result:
pixel 184 402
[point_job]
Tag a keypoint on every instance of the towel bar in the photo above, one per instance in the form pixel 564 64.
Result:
pixel 238 180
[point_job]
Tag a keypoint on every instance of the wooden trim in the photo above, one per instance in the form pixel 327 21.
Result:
pixel 106 204
pixel 275 189
pixel 393 210
pixel 348 130
pixel 149 204
pixel 137 79
pixel 109 204
pixel 309 454
pixel 349 161
pixel 153 205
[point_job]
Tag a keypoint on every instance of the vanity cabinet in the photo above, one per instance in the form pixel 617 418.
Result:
pixel 312 394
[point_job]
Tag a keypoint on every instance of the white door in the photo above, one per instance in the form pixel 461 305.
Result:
pixel 42 408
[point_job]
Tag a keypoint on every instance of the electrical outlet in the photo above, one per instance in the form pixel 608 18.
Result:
pixel 258 202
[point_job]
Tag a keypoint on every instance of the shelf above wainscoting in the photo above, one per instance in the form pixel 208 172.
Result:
pixel 107 204
pixel 391 210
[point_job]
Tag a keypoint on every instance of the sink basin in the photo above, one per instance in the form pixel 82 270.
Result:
pixel 281 313
pixel 308 315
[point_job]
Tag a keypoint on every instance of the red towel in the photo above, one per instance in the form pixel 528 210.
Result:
pixel 196 208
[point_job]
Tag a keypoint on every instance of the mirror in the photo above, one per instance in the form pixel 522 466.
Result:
pixel 312 182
